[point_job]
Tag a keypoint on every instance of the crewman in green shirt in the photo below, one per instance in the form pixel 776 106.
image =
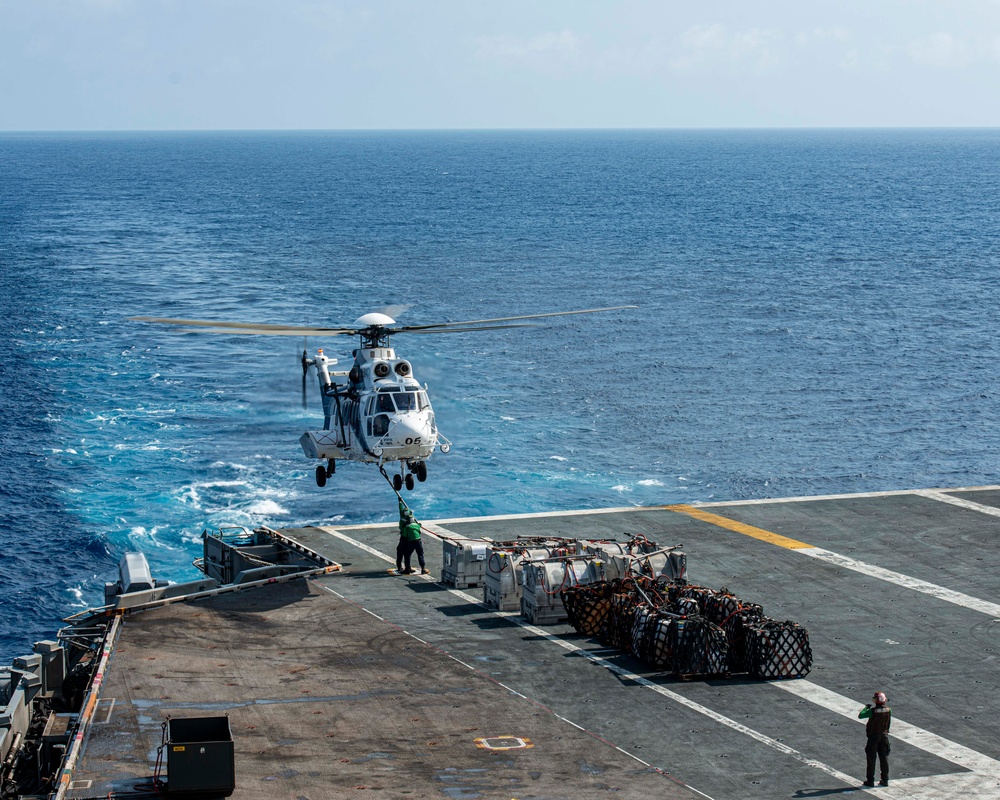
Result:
pixel 879 718
pixel 409 542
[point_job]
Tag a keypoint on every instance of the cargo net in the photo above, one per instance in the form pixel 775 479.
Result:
pixel 689 631
pixel 587 606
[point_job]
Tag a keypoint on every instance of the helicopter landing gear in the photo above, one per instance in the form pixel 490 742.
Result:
pixel 397 482
pixel 421 471
pixel 409 481
pixel 323 473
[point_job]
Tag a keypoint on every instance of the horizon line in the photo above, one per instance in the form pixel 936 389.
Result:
pixel 512 129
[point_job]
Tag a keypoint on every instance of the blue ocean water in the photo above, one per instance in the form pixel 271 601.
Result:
pixel 817 314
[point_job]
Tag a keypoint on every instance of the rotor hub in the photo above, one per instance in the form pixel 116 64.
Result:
pixel 374 320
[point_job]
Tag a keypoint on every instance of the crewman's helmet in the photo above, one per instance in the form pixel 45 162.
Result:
pixel 879 698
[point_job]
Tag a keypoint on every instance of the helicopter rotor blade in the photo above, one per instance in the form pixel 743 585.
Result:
pixel 466 330
pixel 446 325
pixel 265 329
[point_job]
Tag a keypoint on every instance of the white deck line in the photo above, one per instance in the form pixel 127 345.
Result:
pixel 360 545
pixel 857 495
pixel 899 579
pixel 502 517
pixel 984 776
pixel 941 497
pixel 934 494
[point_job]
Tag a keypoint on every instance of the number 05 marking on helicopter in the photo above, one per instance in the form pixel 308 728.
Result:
pixel 380 413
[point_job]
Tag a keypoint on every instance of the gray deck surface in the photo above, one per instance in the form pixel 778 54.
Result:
pixel 325 700
pixel 898 592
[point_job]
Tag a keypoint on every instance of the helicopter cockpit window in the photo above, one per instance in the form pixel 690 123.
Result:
pixel 384 403
pixel 406 401
pixel 422 401
pixel 380 425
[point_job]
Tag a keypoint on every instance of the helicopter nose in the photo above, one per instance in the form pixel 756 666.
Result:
pixel 408 429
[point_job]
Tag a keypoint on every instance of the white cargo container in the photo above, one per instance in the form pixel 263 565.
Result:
pixel 502 576
pixel 464 560
pixel 629 559
pixel 542 581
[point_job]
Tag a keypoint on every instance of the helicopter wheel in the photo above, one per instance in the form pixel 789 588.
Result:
pixel 321 476
pixel 421 471
pixel 409 481
pixel 397 482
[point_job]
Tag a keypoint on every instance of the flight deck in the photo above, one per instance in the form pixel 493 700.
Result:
pixel 364 683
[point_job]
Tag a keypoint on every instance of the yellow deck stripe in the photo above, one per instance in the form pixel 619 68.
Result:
pixel 739 527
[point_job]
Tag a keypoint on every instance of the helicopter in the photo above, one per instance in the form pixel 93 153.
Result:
pixel 379 413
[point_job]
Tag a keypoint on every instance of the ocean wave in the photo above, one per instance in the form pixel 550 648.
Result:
pixel 192 493
pixel 78 595
pixel 267 508
pixel 140 537
pixel 153 446
pixel 229 465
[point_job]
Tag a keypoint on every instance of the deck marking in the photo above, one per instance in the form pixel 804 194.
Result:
pixel 739 527
pixel 504 517
pixel 360 545
pixel 107 703
pixel 941 497
pixel 852 496
pixel 515 743
pixel 932 589
pixel 716 504
pixel 887 575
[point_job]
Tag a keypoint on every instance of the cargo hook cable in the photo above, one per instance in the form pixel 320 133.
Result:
pixel 389 481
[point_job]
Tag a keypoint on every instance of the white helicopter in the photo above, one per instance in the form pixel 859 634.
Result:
pixel 380 413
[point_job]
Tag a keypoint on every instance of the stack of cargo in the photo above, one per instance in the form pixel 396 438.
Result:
pixel 777 649
pixel 502 573
pixel 588 606
pixel 690 631
pixel 544 580
pixel 639 556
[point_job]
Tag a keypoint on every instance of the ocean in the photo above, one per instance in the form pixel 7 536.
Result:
pixel 817 314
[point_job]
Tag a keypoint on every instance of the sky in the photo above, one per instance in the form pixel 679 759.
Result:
pixel 409 64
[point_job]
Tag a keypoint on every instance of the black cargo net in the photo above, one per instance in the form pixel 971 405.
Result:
pixel 689 631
